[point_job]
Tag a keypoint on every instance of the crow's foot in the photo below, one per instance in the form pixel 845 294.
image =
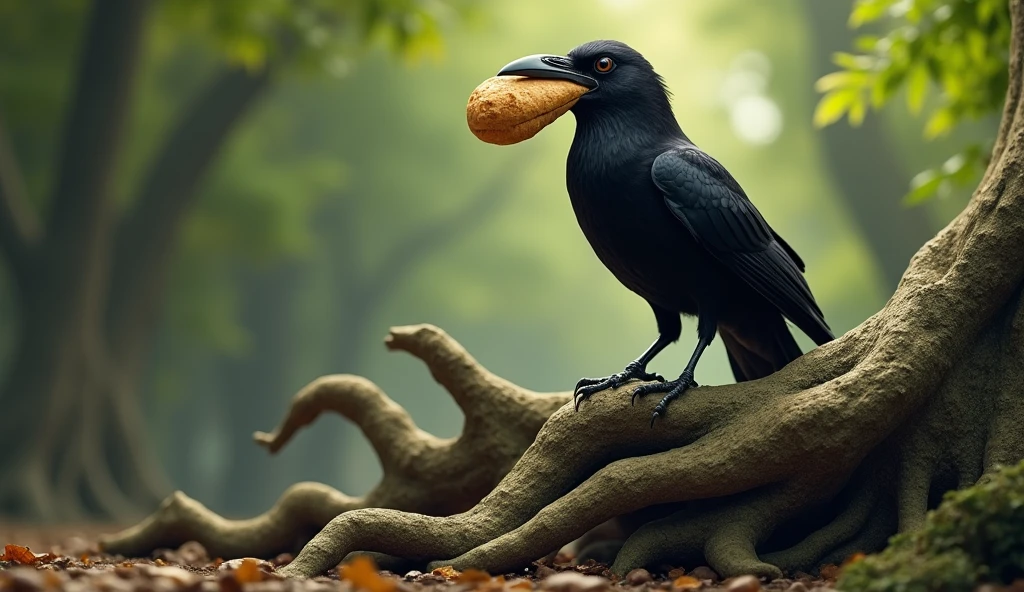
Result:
pixel 673 388
pixel 588 386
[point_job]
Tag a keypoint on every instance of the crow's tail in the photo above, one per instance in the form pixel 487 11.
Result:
pixel 759 349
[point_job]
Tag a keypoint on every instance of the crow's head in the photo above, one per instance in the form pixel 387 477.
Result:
pixel 619 79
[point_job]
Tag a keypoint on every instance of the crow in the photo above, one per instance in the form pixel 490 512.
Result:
pixel 673 226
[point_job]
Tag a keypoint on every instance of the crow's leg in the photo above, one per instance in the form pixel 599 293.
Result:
pixel 669 328
pixel 707 326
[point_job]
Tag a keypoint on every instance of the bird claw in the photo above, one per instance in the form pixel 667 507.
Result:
pixel 586 387
pixel 674 389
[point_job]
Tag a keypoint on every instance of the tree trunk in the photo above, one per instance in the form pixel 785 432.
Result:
pixel 74 433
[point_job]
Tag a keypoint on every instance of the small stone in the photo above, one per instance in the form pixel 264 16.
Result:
pixel 797 587
pixel 176 574
pixel 193 553
pixel 428 579
pixel 283 559
pixel 705 573
pixel 638 576
pixel 571 581
pixel 803 577
pixel 543 572
pixel 412 575
pixel 744 584
pixel 265 566
pixel 677 572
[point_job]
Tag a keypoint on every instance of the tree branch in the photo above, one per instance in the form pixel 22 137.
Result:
pixel 19 225
pixel 147 236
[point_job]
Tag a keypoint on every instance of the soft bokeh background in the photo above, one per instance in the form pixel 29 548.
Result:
pixel 352 197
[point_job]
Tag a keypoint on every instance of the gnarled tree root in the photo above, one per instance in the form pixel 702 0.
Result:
pixel 422 473
pixel 921 398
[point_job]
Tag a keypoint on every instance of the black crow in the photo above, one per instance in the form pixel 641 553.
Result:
pixel 673 225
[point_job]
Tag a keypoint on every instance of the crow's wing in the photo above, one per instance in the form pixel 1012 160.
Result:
pixel 713 207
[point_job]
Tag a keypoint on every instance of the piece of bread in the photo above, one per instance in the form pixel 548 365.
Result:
pixel 509 109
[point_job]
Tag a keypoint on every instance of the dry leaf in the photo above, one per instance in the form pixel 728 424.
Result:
pixel 852 559
pixel 447 572
pixel 686 583
pixel 248 572
pixel 362 573
pixel 472 575
pixel 23 556
pixel 830 571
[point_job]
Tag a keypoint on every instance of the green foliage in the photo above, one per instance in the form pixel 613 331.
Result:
pixel 324 34
pixel 948 56
pixel 975 535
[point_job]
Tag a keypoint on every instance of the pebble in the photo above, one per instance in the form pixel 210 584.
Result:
pixel 705 573
pixel 412 575
pixel 638 576
pixel 744 584
pixel 571 581
pixel 676 573
pixel 236 563
pixel 797 587
pixel 544 571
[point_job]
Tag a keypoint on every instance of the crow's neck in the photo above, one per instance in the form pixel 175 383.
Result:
pixel 609 137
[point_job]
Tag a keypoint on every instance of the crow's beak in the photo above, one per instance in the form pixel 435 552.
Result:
pixel 548 66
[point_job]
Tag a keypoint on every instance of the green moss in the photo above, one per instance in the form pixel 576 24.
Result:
pixel 975 535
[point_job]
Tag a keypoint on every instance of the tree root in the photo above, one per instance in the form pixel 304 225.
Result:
pixel 422 473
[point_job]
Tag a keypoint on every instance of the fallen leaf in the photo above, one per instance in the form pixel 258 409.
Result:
pixel 852 559
pixel 248 572
pixel 472 575
pixel 362 573
pixel 830 571
pixel 23 556
pixel 686 583
pixel 447 572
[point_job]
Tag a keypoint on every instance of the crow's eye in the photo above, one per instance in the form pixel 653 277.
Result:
pixel 604 65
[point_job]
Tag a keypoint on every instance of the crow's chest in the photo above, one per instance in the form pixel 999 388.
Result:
pixel 625 220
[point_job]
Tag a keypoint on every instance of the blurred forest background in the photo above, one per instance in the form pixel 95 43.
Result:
pixel 210 204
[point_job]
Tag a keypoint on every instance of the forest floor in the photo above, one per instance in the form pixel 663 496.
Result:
pixel 66 558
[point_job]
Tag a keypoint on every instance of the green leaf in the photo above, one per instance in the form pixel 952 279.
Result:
pixel 858 109
pixel 837 80
pixel 833 106
pixel 853 62
pixel 940 123
pixel 923 187
pixel 866 11
pixel 917 88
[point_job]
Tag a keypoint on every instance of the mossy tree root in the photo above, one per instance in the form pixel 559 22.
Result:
pixel 925 393
pixel 422 473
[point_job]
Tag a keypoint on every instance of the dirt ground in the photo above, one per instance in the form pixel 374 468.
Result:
pixel 66 558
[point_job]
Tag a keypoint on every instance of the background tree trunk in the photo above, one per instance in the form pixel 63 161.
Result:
pixel 74 433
